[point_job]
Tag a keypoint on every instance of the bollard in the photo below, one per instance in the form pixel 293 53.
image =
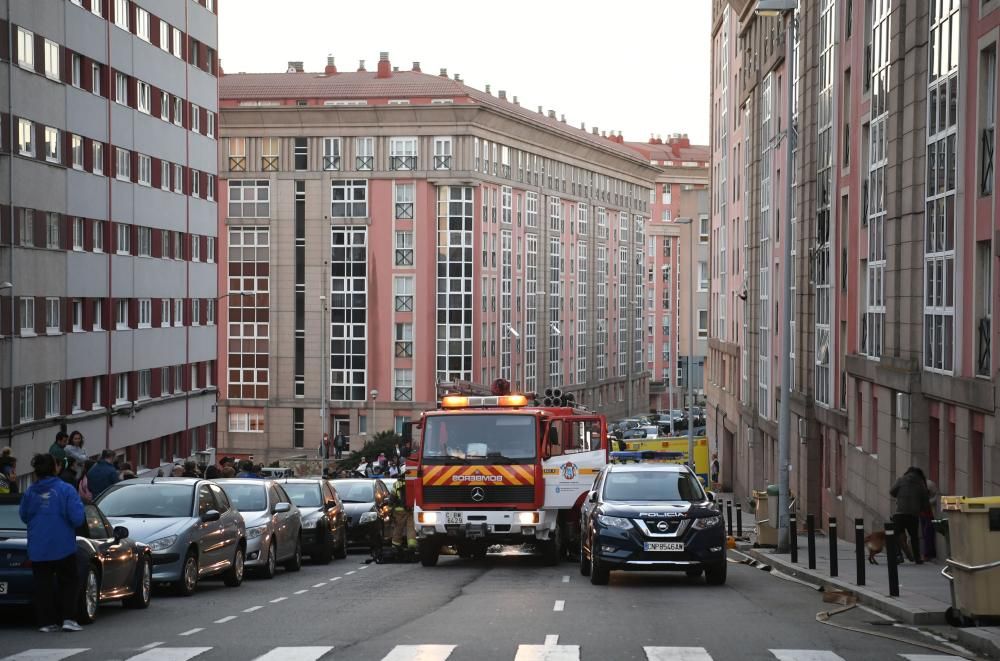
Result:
pixel 859 549
pixel 832 530
pixel 739 520
pixel 890 551
pixel 811 539
pixel 729 517
pixel 793 538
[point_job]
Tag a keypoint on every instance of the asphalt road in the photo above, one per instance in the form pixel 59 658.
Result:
pixel 503 608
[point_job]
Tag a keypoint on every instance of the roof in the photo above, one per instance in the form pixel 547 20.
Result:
pixel 356 85
pixel 677 150
pixel 667 468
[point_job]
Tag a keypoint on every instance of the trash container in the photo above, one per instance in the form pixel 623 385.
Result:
pixel 772 505
pixel 767 523
pixel 973 565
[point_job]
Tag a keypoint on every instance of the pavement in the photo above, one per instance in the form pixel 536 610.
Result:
pixel 924 594
pixel 506 607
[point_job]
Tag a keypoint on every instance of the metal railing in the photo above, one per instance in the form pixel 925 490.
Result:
pixel 402 163
pixel 984 339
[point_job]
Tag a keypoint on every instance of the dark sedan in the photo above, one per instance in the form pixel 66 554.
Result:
pixel 653 517
pixel 366 502
pixel 112 567
pixel 324 520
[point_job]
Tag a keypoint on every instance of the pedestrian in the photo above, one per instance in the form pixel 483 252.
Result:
pixel 212 472
pixel 715 470
pixel 177 471
pixel 912 498
pixel 324 447
pixel 927 533
pixel 8 472
pixel 102 474
pixel 83 488
pixel 190 469
pixel 74 449
pixel 338 445
pixel 58 449
pixel 228 471
pixel 52 511
pixel 125 471
pixel 247 469
pixel 69 472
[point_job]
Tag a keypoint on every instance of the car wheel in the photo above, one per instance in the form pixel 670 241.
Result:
pixel 716 574
pixel 429 553
pixel 552 550
pixel 188 581
pixel 340 551
pixel 271 566
pixel 584 560
pixel 143 589
pixel 599 574
pixel 90 596
pixel 324 548
pixel 233 577
pixel 295 562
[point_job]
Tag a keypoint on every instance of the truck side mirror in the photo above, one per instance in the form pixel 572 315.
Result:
pixel 553 437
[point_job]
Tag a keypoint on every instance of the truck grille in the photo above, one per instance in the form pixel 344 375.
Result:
pixel 493 494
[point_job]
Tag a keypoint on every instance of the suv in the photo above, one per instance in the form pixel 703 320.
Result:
pixel 651 517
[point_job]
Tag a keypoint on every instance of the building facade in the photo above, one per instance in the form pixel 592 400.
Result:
pixel 391 230
pixel 893 216
pixel 108 228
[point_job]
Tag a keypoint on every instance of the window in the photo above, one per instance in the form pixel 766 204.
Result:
pixel 77 308
pixel 196 312
pixel 210 129
pixel 404 248
pixel 145 313
pixel 178 312
pixel 364 149
pixel 164 381
pixel 25 137
pixel 123 164
pixel 95 78
pixel 98 153
pixel 402 385
pixel 123 239
pixel 121 389
pixel 702 324
pixel 145 170
pixel 76 70
pixel 76 148
pixel 667 194
pixel 238 154
pixel 27 408
pixel 26 313
pixel 176 42
pixel 145 236
pixel 52 238
pixel 250 198
pixel 164 36
pixel 300 154
pixel 246 421
pixel 210 249
pixel 402 153
pixel 210 187
pixel 987 140
pixel 350 198
pixel 143 95
pixel 702 276
pixel 195 183
pixel 53 403
pixel 121 14
pixel 26 49
pixel 121 314
pixel 77 396
pixel 178 178
pixel 331 153
pixel 52 59
pixel 178 111
pixel 98 236
pixel 78 234
pixel 403 290
pixel 51 144
pixel 145 381
pixel 98 315
pixel 404 201
pixel 210 313
pixel 404 340
pixel 142 23
pixel 703 229
pixel 178 246
pixel 442 153
pixel 164 312
pixel 121 88
pixel 178 378
pixel 195 118
pixel 165 106
pixel 52 326
pixel 27 227
pixel 195 248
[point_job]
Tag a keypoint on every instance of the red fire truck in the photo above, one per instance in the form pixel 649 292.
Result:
pixel 502 469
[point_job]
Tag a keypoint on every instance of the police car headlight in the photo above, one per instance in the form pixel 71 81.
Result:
pixel 368 517
pixel 430 518
pixel 707 522
pixel 614 521
pixel 527 518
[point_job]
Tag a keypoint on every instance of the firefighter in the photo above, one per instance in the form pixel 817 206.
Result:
pixel 402 521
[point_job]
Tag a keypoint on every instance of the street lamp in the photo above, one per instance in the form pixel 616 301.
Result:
pixel 374 396
pixel 691 331
pixel 324 390
pixel 785 9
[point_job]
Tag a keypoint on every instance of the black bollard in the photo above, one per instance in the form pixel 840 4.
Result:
pixel 729 517
pixel 739 520
pixel 833 545
pixel 891 550
pixel 859 549
pixel 811 539
pixel 793 538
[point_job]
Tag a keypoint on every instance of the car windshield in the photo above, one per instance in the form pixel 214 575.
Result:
pixel 9 519
pixel 246 497
pixel 652 486
pixel 304 495
pixel 502 437
pixel 162 500
pixel 356 492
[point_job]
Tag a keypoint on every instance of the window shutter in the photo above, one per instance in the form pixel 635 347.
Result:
pixel 4 41
pixel 86 76
pixel 88 154
pixel 154 31
pixel 133 158
pixel 6 315
pixel 157 317
pixel 67 315
pixel 39 401
pixel 157 243
pixel 67 148
pixel 133 386
pixel 88 235
pixel 88 313
pixel 66 402
pixel 154 376
pixel 87 393
pixel 133 313
pixel 66 64
pixel 132 22
pixel 203 121
pixel 155 106
pixel 5 225
pixel 40 54
pixel 156 168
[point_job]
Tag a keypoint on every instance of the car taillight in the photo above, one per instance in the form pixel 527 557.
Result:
pixel 26 564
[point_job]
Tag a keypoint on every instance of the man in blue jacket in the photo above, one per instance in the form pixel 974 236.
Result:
pixel 103 474
pixel 52 509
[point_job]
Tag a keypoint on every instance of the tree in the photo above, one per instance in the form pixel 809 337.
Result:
pixel 382 442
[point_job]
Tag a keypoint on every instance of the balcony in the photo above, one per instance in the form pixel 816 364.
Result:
pixel 657 387
pixel 403 163
pixel 331 162
pixel 442 162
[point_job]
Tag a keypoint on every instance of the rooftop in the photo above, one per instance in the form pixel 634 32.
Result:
pixel 677 148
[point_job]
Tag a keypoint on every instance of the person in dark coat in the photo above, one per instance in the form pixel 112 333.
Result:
pixel 103 474
pixel 912 498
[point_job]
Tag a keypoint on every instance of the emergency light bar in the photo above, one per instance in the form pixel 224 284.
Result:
pixel 463 401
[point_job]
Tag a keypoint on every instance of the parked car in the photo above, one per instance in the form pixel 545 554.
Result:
pixel 273 524
pixel 651 517
pixel 112 567
pixel 367 504
pixel 324 520
pixel 634 434
pixel 192 529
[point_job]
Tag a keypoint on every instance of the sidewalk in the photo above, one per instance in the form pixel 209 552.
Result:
pixel 924 594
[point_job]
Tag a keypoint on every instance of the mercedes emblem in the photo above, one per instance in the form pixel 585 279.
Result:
pixel 478 494
pixel 663 526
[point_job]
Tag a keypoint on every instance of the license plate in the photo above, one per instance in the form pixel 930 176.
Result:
pixel 453 517
pixel 3 588
pixel 664 546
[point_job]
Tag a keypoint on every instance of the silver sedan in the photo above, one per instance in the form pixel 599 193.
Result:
pixel 273 522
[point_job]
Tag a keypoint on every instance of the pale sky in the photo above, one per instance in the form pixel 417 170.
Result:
pixel 636 66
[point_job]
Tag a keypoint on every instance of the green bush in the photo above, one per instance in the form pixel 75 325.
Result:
pixel 382 442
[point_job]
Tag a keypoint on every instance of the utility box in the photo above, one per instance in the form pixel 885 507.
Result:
pixel 974 550
pixel 766 513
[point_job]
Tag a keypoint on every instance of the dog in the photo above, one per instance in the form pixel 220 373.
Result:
pixel 875 543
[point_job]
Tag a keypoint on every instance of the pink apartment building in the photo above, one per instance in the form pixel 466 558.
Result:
pixel 385 231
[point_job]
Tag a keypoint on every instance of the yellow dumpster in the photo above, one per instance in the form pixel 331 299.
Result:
pixel 973 565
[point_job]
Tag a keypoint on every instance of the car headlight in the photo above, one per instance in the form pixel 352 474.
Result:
pixel 162 543
pixel 527 518
pixel 255 532
pixel 614 521
pixel 368 517
pixel 310 522
pixel 429 518
pixel 707 522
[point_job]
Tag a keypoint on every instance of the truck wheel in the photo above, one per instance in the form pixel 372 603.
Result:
pixel 429 553
pixel 552 550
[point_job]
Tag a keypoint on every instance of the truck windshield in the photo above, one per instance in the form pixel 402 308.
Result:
pixel 479 438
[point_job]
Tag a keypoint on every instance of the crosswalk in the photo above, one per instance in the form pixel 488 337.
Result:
pixel 550 651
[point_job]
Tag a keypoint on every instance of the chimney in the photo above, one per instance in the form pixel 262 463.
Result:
pixel 552 114
pixel 416 67
pixel 384 68
pixel 395 69
pixel 562 118
pixel 331 67
pixel 583 127
pixel 652 140
pixel 659 140
pixel 444 73
pixel 458 77
pixel 516 102
pixel 488 89
pixel 540 111
pixel 604 134
pixel 295 67
pixel 361 65
pixel 502 94
pixel 595 131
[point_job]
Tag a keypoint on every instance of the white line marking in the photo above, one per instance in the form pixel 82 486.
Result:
pixel 45 654
pixel 336 578
pixel 170 654
pixel 363 567
pixel 319 585
pixel 294 654
pixel 353 571
pixel 223 620
pixel 565 579
pixel 805 655
pixel 252 609
pixel 559 606
pixel 191 632
pixel 149 646
pixel 548 653
pixel 551 639
pixel 274 601
pixel 930 657
pixel 677 654
pixel 419 653
pixel 301 591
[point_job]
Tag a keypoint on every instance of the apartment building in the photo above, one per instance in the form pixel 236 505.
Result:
pixel 108 225
pixel 386 231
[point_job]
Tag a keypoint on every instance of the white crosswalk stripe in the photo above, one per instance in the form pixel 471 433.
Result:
pixel 548 653
pixel 419 653
pixel 677 654
pixel 170 654
pixel 45 654
pixel 930 657
pixel 805 655
pixel 294 654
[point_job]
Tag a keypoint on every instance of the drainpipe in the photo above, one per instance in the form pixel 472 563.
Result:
pixel 10 222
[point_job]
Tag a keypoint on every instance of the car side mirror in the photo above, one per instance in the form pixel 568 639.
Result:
pixel 281 508
pixel 211 515
pixel 120 533
pixel 593 497
pixel 711 495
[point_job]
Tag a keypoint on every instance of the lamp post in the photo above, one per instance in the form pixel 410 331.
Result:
pixel 324 393
pixel 691 331
pixel 374 396
pixel 785 9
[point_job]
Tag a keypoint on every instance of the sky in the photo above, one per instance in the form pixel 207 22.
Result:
pixel 636 66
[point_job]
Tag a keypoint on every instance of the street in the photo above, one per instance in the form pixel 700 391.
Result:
pixel 506 607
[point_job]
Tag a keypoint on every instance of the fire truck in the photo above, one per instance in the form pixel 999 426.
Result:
pixel 502 468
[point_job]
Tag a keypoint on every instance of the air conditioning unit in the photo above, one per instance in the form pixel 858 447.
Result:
pixel 903 409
